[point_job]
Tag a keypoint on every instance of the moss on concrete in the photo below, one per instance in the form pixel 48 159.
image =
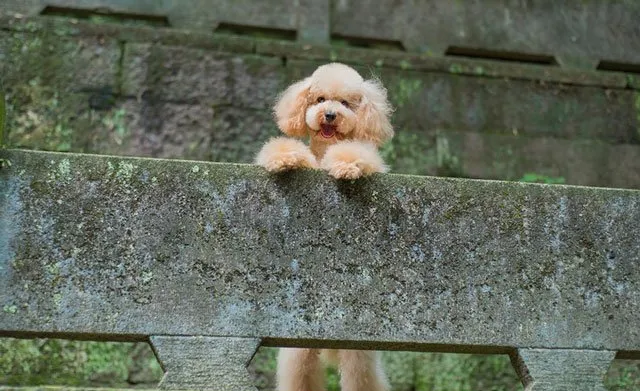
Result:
pixel 39 119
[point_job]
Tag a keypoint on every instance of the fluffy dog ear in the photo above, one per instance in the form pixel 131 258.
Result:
pixel 290 109
pixel 373 114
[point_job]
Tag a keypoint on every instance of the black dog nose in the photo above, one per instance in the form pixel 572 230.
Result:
pixel 329 116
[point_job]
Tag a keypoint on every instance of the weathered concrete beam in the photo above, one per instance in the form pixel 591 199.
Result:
pixel 124 248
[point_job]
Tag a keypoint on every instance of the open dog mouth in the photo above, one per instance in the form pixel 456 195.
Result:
pixel 328 131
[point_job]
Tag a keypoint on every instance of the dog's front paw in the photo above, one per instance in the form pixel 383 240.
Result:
pixel 290 161
pixel 283 154
pixel 345 170
pixel 352 160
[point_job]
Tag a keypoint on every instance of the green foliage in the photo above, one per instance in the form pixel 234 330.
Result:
pixel 411 154
pixel 539 178
pixel 116 125
pixel 404 90
pixel 69 363
pixel 624 375
pixel 39 118
pixel 465 372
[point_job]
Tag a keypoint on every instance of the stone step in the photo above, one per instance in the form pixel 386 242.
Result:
pixel 571 35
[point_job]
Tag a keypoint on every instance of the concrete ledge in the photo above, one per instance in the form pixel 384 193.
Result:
pixel 117 248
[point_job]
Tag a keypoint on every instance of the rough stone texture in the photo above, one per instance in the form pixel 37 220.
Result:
pixel 205 363
pixel 176 74
pixel 188 75
pixel 553 370
pixel 158 129
pixel 257 80
pixel 173 130
pixel 41 119
pixel 126 248
pixel 85 63
pixel 239 134
pixel 573 33
pixel 314 22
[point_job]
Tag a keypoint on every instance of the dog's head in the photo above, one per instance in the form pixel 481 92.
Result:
pixel 335 103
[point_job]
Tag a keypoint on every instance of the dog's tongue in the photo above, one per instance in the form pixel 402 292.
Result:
pixel 327 131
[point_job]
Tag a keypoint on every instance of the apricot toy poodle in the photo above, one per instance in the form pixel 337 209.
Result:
pixel 345 117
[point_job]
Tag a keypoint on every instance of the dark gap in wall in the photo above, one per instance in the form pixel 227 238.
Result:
pixel 618 67
pixel 367 43
pixel 256 31
pixel 105 15
pixel 487 54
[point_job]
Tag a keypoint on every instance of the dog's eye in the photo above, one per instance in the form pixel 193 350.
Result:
pixel 345 103
pixel 321 99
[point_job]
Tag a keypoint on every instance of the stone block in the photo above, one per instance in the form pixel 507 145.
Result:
pixel 179 74
pixel 176 74
pixel 157 129
pixel 66 64
pixel 238 134
pixel 257 80
pixel 588 163
pixel 41 117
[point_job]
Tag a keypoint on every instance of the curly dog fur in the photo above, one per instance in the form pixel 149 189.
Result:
pixel 346 120
pixel 345 117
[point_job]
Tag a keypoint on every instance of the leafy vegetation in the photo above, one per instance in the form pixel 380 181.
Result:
pixel 74 363
pixel 539 178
